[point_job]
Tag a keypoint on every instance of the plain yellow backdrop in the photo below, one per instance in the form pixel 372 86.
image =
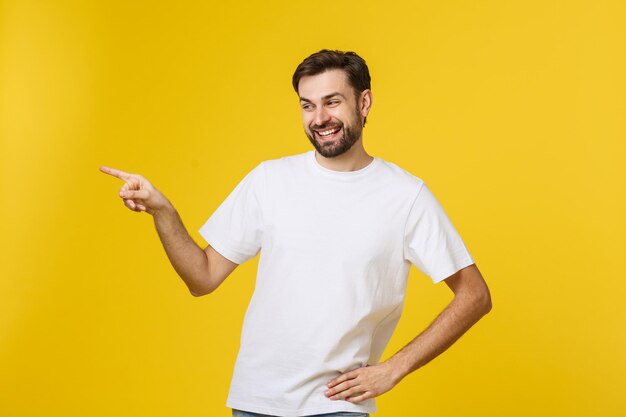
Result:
pixel 512 111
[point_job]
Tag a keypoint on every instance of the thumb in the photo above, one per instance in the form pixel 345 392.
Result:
pixel 135 194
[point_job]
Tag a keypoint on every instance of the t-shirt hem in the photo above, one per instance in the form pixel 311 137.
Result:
pixel 335 407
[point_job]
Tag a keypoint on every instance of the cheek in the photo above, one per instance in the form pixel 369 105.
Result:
pixel 308 121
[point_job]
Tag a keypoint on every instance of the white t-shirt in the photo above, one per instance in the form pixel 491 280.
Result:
pixel 336 248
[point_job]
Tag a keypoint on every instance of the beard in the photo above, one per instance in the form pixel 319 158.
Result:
pixel 351 134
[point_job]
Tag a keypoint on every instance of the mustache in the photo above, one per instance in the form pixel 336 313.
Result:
pixel 326 126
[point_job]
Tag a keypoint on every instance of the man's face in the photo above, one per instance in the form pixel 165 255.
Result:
pixel 332 119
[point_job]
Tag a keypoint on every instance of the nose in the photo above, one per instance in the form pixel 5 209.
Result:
pixel 321 116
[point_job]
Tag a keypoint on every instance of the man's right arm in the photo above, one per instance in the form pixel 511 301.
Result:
pixel 201 270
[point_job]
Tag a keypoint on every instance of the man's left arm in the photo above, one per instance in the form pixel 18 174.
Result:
pixel 472 300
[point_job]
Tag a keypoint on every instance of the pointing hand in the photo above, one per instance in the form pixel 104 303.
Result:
pixel 137 192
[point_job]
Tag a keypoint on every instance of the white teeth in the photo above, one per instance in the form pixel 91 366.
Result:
pixel 328 132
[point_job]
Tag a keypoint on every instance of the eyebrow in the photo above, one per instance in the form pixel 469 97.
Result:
pixel 326 97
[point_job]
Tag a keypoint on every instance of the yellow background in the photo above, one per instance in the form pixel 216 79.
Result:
pixel 512 112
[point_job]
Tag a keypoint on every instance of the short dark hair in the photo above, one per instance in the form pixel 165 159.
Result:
pixel 353 65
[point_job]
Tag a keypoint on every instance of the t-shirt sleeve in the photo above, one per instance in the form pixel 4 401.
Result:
pixel 431 242
pixel 234 230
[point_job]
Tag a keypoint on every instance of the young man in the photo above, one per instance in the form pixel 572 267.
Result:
pixel 337 230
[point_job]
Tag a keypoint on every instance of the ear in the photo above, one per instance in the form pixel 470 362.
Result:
pixel 365 102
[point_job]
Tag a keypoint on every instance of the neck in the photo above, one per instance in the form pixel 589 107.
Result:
pixel 352 160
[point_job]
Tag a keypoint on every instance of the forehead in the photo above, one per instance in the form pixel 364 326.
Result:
pixel 314 87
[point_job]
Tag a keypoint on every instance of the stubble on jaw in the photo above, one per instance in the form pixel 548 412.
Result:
pixel 339 146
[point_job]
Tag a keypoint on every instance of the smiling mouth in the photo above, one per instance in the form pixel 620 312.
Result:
pixel 328 133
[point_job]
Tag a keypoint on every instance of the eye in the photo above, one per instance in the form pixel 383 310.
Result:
pixel 333 103
pixel 307 107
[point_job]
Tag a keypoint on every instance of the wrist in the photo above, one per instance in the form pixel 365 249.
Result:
pixel 397 369
pixel 164 211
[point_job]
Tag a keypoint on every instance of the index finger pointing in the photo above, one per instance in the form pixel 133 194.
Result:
pixel 116 173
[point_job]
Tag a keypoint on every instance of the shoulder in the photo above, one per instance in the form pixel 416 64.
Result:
pixel 279 165
pixel 285 162
pixel 283 168
pixel 399 175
